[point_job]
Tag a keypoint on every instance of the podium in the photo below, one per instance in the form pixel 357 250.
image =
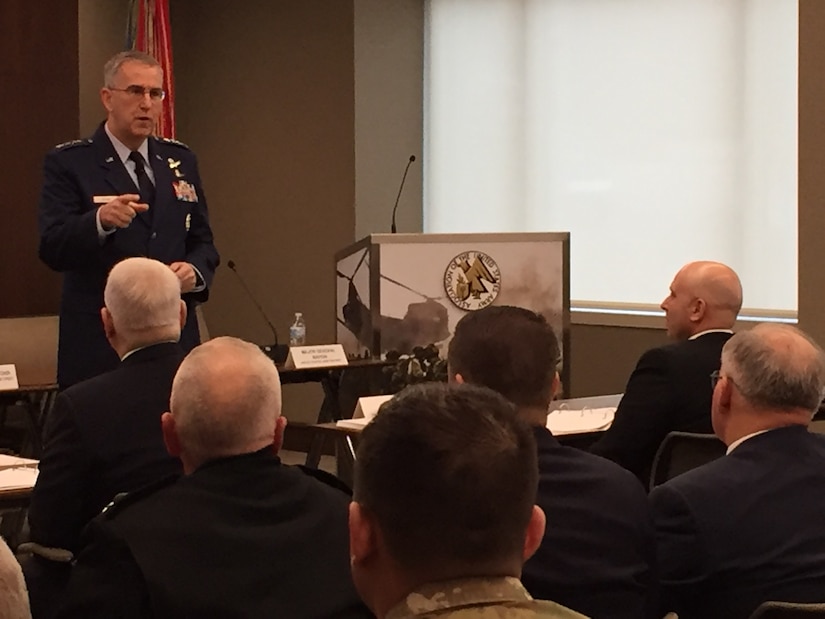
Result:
pixel 398 291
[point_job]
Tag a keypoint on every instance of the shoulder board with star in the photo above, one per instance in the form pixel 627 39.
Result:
pixel 73 144
pixel 174 143
pixel 125 499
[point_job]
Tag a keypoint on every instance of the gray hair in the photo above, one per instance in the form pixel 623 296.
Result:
pixel 776 367
pixel 14 599
pixel 114 63
pixel 226 398
pixel 143 298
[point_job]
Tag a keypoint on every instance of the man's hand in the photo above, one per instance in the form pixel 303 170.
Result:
pixel 186 275
pixel 120 212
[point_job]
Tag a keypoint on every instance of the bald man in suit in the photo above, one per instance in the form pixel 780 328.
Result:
pixel 669 389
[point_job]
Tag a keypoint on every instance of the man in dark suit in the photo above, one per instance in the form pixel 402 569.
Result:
pixel 121 193
pixel 103 436
pixel 598 552
pixel 748 527
pixel 669 389
pixel 240 534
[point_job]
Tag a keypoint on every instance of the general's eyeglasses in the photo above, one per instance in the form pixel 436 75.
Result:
pixel 156 94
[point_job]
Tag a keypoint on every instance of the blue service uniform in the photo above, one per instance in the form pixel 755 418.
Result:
pixel 175 228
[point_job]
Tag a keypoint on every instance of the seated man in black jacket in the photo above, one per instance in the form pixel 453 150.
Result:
pixel 669 389
pixel 103 436
pixel 598 550
pixel 240 534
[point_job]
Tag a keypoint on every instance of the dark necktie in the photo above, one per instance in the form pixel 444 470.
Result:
pixel 147 189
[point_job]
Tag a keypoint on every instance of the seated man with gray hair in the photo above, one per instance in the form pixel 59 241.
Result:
pixel 750 527
pixel 103 436
pixel 240 534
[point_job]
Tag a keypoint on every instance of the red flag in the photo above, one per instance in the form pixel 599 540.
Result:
pixel 149 31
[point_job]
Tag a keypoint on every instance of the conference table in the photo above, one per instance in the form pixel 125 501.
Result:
pixel 36 401
pixel 576 422
pixel 340 384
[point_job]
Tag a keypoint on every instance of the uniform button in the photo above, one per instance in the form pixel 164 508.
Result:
pixel 154 235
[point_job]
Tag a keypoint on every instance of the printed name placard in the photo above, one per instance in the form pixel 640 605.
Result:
pixel 306 357
pixel 8 377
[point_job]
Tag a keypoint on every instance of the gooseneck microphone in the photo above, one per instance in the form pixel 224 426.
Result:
pixel 393 228
pixel 276 352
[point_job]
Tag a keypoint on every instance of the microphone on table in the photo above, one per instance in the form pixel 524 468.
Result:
pixel 393 228
pixel 277 352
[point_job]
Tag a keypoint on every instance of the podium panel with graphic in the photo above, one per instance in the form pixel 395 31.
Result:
pixel 398 291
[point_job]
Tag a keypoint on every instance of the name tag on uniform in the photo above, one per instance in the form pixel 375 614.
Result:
pixel 103 199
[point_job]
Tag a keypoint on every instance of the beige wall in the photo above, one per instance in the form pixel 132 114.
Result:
pixel 265 98
pixel 603 357
pixel 303 113
pixel 389 116
pixel 102 29
pixel 812 168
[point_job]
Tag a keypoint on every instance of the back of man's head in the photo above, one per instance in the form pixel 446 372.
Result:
pixel 448 475
pixel 508 349
pixel 704 295
pixel 226 401
pixel 142 298
pixel 776 368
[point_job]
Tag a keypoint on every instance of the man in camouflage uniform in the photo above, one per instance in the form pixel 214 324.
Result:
pixel 443 515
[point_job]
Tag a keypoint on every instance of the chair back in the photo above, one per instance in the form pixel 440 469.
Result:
pixel 788 610
pixel 681 452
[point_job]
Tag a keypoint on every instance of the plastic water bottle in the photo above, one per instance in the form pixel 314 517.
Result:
pixel 298 331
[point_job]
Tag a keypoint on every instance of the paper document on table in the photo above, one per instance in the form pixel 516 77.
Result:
pixel 354 424
pixel 18 478
pixel 368 406
pixel 7 462
pixel 566 421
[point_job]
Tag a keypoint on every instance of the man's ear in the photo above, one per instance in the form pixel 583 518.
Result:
pixel 362 534
pixel 698 309
pixel 725 394
pixel 457 378
pixel 554 387
pixel 183 313
pixel 170 434
pixel 108 323
pixel 278 437
pixel 106 98
pixel 535 532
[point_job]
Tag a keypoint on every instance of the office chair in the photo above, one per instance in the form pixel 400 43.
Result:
pixel 681 452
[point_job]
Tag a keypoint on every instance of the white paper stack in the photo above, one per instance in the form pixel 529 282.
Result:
pixel 8 462
pixel 582 421
pixel 20 478
pixel 561 421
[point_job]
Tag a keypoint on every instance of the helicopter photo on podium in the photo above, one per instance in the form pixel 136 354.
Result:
pixel 395 292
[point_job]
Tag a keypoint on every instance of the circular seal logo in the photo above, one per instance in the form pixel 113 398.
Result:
pixel 472 280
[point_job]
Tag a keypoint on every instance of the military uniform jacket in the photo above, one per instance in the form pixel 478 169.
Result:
pixel 176 228
pixel 477 598
pixel 241 537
